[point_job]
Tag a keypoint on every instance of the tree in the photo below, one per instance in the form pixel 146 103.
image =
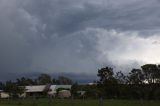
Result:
pixel 151 73
pixel 105 74
pixel 136 76
pixel 64 80
pixel 25 81
pixel 120 77
pixel 107 83
pixel 1 85
pixel 135 84
pixel 13 89
pixel 152 78
pixel 74 89
pixel 44 79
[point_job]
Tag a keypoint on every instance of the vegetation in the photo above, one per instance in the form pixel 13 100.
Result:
pixel 16 88
pixel 141 83
pixel 69 102
pixel 138 84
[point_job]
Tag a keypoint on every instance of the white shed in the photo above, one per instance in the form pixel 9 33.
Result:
pixel 4 95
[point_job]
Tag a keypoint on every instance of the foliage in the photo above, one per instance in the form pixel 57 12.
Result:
pixel 25 81
pixel 77 102
pixel 44 79
pixel 64 80
pixel 13 89
pixel 139 83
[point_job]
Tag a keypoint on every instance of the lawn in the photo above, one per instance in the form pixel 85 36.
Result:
pixel 68 102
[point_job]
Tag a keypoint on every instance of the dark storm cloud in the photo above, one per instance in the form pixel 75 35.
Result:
pixel 65 17
pixel 74 35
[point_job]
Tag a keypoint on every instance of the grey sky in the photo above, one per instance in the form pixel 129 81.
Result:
pixel 78 36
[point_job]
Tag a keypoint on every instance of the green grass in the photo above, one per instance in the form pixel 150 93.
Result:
pixel 68 102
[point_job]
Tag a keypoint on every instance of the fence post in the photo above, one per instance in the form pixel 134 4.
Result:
pixel 101 101
pixel 72 100
pixel 141 102
pixel 50 100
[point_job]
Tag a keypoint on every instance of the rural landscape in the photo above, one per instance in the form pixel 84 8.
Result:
pixel 79 53
pixel 141 87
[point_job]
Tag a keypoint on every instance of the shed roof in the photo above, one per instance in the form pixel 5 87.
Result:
pixel 52 89
pixel 41 88
pixel 35 88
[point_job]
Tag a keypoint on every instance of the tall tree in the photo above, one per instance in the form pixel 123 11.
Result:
pixel 121 78
pixel 105 74
pixel 13 89
pixel 25 81
pixel 150 73
pixel 136 76
pixel 64 80
pixel 44 79
pixel 107 84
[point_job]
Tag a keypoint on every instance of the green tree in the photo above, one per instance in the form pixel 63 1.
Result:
pixel 107 83
pixel 120 77
pixel 64 80
pixel 25 81
pixel 44 79
pixel 105 75
pixel 136 76
pixel 74 89
pixel 151 73
pixel 13 89
pixel 152 78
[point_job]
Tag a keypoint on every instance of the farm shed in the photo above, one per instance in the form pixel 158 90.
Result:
pixel 64 94
pixel 4 95
pixel 36 90
pixel 52 91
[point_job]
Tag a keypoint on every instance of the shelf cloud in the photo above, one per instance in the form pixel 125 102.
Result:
pixel 78 36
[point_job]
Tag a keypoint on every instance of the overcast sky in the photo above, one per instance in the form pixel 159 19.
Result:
pixel 77 36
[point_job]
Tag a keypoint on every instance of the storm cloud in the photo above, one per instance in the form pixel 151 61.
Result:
pixel 77 36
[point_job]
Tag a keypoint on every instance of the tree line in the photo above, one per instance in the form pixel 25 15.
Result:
pixel 16 88
pixel 142 83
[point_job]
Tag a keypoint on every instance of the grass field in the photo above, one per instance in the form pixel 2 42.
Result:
pixel 68 102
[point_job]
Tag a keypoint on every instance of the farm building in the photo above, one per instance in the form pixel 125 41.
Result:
pixel 36 90
pixel 3 94
pixel 52 91
pixel 64 94
pixel 39 90
pixel 55 89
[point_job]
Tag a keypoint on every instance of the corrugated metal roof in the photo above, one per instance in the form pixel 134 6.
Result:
pixel 41 88
pixel 52 89
pixel 35 88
